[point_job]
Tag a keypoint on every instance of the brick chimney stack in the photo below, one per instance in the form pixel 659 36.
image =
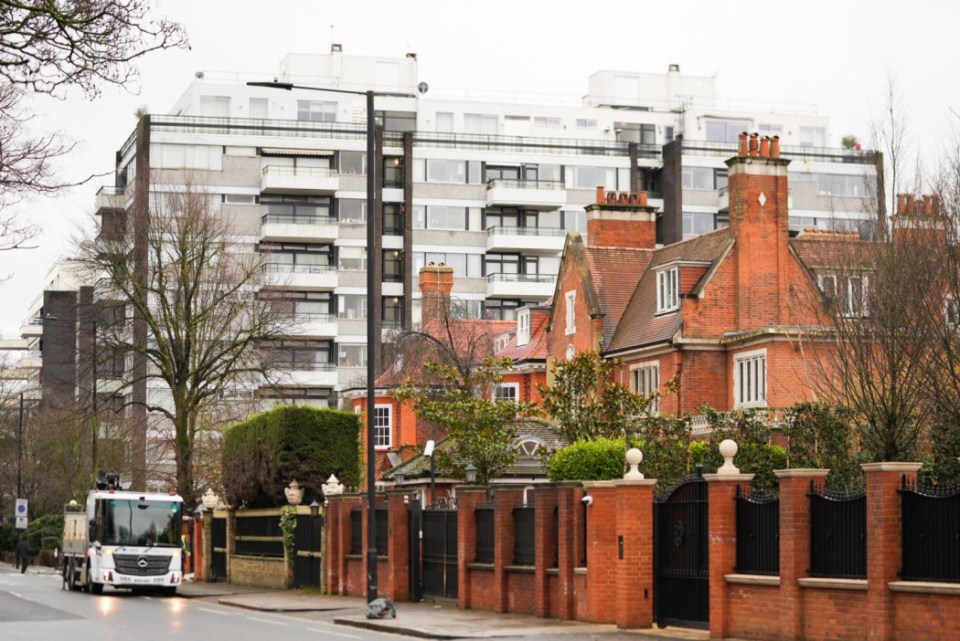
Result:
pixel 760 223
pixel 621 219
pixel 917 217
pixel 436 285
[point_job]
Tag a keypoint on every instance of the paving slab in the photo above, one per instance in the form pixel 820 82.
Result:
pixel 290 601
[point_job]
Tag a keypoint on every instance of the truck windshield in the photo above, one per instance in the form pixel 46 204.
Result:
pixel 141 522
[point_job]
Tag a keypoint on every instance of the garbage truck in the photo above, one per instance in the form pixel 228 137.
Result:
pixel 123 539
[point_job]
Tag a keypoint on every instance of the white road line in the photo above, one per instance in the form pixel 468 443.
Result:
pixel 16 594
pixel 212 611
pixel 334 634
pixel 266 621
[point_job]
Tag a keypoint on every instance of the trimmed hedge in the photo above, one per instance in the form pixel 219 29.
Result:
pixel 267 451
pixel 601 459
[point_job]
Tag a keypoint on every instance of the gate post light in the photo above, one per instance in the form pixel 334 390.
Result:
pixel 314 509
pixel 470 473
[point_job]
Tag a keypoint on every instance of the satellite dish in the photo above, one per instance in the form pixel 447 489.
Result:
pixel 422 87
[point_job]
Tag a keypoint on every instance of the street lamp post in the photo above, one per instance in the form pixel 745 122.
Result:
pixel 372 340
pixel 20 451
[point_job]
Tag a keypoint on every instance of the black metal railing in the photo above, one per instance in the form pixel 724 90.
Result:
pixel 218 567
pixel 524 534
pixel 514 183
pixel 259 535
pixel 297 219
pixel 930 533
pixel 383 529
pixel 356 530
pixel 485 533
pixel 521 278
pixel 758 532
pixel 508 230
pixel 838 533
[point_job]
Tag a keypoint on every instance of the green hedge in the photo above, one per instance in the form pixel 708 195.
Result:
pixel 267 451
pixel 601 459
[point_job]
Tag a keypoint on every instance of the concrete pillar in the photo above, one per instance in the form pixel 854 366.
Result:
pixel 722 547
pixel 601 551
pixel 634 553
pixel 545 536
pixel 884 551
pixel 468 498
pixel 794 545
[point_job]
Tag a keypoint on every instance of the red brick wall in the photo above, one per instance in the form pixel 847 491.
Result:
pixel 520 592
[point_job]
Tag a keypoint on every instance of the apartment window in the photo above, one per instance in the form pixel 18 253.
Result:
pixel 259 108
pixel 393 218
pixel 696 223
pixel 446 171
pixel 352 258
pixel 841 185
pixel 481 124
pixel 216 106
pixel 648 134
pixel 444 121
pixel 501 264
pixel 171 156
pixel 352 306
pixel 393 172
pixel 645 380
pixel 855 296
pixel 668 134
pixel 302 355
pixel 668 290
pixel 507 392
pixel 503 308
pixel 351 210
pixel 697 178
pixel 575 221
pixel 240 199
pixel 464 265
pixel 439 217
pixel 726 130
pixel 382 426
pixel 750 379
pixel 316 110
pixel 392 311
pixel 571 312
pixel 586 123
pixel 295 209
pixel 770 130
pixel 352 163
pixel 351 355
pixel 548 122
pixel 721 178
pixel 812 137
pixel 392 266
pixel 300 305
pixel 523 327
pixel 951 311
pixel 593 177
pixel 299 257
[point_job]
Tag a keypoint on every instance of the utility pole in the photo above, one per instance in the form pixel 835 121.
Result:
pixel 20 451
pixel 96 422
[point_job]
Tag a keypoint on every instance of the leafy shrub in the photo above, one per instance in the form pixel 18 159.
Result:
pixel 821 436
pixel 267 451
pixel 756 455
pixel 601 459
pixel 944 464
pixel 45 532
pixel 664 442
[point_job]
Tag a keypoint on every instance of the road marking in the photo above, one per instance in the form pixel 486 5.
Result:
pixel 212 611
pixel 334 634
pixel 266 621
pixel 16 594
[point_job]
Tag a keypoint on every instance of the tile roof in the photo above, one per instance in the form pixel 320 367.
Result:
pixel 614 271
pixel 536 347
pixel 641 325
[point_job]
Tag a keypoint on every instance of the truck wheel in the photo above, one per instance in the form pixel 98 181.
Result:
pixel 93 588
pixel 169 591
pixel 71 575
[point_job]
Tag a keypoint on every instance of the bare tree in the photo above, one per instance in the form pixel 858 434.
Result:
pixel 889 135
pixel 206 326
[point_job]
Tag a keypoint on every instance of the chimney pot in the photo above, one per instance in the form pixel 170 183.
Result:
pixel 611 197
pixel 743 143
pixel 935 204
pixel 600 194
pixel 775 147
pixel 642 199
pixel 927 205
pixel 901 203
pixel 765 147
pixel 754 143
pixel 623 200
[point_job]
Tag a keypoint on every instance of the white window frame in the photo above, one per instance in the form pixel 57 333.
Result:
pixel 571 312
pixel 851 307
pixel 751 368
pixel 513 395
pixel 645 380
pixel 379 425
pixel 523 327
pixel 951 311
pixel 668 290
pixel 822 279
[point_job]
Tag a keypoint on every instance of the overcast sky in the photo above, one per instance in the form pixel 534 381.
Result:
pixel 834 55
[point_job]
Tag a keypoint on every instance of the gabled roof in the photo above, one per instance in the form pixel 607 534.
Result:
pixel 641 325
pixel 536 348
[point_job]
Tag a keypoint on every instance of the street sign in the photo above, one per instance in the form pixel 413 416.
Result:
pixel 20 511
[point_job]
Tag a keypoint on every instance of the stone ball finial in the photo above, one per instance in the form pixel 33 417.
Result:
pixel 728 450
pixel 634 458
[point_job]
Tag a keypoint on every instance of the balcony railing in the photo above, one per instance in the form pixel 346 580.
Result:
pixel 524 184
pixel 521 278
pixel 727 149
pixel 525 231
pixel 284 268
pixel 284 170
pixel 313 317
pixel 305 366
pixel 297 219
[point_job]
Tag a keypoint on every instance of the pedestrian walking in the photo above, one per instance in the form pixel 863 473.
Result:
pixel 23 552
pixel 13 548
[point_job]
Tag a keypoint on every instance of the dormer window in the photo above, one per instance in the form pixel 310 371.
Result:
pixel 523 327
pixel 668 290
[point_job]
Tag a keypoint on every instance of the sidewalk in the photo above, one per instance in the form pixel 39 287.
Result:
pixel 424 620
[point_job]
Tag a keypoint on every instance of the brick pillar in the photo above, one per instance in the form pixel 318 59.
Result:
pixel 571 526
pixel 545 537
pixel 207 540
pixel 503 503
pixel 601 551
pixel 196 549
pixel 794 545
pixel 468 498
pixel 397 583
pixel 231 541
pixel 634 569
pixel 334 552
pixel 884 549
pixel 722 548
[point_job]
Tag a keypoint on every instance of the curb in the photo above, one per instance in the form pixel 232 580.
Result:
pixel 372 624
pixel 260 608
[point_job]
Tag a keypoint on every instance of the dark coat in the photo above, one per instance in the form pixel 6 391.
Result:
pixel 23 549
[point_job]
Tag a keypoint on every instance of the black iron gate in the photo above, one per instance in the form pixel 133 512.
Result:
pixel 306 566
pixel 433 551
pixel 681 571
pixel 218 564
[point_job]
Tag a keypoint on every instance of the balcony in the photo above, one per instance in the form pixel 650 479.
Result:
pixel 532 194
pixel 110 197
pixel 293 227
pixel 309 375
pixel 314 324
pixel 316 277
pixel 32 359
pixel 547 240
pixel 278 179
pixel 520 285
pixel 32 327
